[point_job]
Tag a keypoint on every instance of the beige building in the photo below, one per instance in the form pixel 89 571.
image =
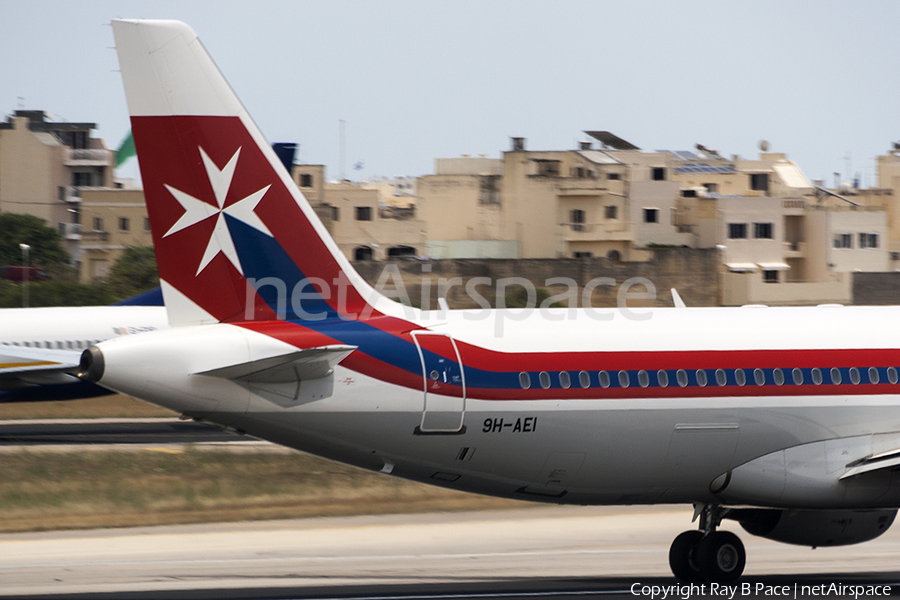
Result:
pixel 112 220
pixel 354 216
pixel 44 167
pixel 782 239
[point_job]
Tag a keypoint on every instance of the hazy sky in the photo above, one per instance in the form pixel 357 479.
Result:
pixel 420 80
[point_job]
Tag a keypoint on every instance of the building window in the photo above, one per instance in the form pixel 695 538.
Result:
pixel 306 180
pixel 548 168
pixel 576 218
pixel 868 240
pixel 124 224
pixel 363 213
pixel 582 254
pixel 611 212
pixel 98 224
pixel 146 224
pixel 395 251
pixel 759 182
pixel 737 231
pixel 81 179
pixel 362 253
pixel 711 188
pixel 770 276
pixel 335 213
pixel 651 215
pixel 658 173
pixel 843 240
pixel 762 231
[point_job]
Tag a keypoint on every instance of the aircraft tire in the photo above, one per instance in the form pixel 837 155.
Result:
pixel 683 557
pixel 722 557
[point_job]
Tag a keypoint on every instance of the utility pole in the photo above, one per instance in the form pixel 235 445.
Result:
pixel 26 249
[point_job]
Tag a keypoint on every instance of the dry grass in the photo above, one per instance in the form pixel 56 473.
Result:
pixel 45 491
pixel 115 406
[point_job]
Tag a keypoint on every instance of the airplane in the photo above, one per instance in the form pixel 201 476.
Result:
pixel 40 348
pixel 785 420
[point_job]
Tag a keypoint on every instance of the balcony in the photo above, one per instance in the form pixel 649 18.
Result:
pixel 794 249
pixel 70 231
pixel 95 236
pixel 612 230
pixel 88 157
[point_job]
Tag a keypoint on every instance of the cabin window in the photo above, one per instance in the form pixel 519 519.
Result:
pixel 835 376
pixel 663 378
pixel 759 376
pixel 740 377
pixel 721 377
pixel 624 380
pixel 682 377
pixel 873 375
pixel 564 380
pixel 545 379
pixel 701 378
pixel 817 376
pixel 797 374
pixel 892 374
pixel 604 379
pixel 643 378
pixel 778 376
pixel 524 380
pixel 584 378
pixel 854 376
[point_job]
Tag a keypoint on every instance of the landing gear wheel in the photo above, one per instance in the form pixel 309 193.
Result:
pixel 683 558
pixel 722 556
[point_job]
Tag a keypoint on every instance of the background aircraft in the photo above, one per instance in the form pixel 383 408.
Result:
pixel 40 347
pixel 786 420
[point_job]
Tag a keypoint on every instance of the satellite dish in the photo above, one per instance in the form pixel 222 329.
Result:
pixel 763 146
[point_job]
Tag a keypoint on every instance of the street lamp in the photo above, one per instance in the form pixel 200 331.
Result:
pixel 26 249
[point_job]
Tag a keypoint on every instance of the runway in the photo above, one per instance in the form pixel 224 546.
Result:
pixel 546 552
pixel 110 431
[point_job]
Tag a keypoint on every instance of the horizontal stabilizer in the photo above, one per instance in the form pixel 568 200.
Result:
pixel 308 363
pixel 884 460
pixel 21 366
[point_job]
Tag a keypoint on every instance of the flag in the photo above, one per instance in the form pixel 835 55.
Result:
pixel 126 150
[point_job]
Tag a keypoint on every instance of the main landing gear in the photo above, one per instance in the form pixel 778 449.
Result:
pixel 707 554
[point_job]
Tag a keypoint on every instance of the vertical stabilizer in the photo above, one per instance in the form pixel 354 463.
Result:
pixel 235 239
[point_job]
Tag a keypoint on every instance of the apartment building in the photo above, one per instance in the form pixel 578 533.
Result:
pixel 45 165
pixel 362 228
pixel 112 220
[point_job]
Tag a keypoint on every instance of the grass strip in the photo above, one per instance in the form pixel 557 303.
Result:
pixel 48 491
pixel 113 406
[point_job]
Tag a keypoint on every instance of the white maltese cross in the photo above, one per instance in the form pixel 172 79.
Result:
pixel 197 210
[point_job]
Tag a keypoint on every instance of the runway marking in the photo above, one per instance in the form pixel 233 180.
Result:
pixel 166 450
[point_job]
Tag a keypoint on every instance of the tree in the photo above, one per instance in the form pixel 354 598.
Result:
pixel 135 272
pixel 46 243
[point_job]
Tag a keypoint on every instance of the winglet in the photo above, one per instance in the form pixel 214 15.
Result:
pixel 676 299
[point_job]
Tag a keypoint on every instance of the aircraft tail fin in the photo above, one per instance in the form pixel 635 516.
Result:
pixel 235 239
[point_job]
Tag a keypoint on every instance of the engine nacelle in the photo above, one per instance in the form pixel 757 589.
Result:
pixel 815 527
